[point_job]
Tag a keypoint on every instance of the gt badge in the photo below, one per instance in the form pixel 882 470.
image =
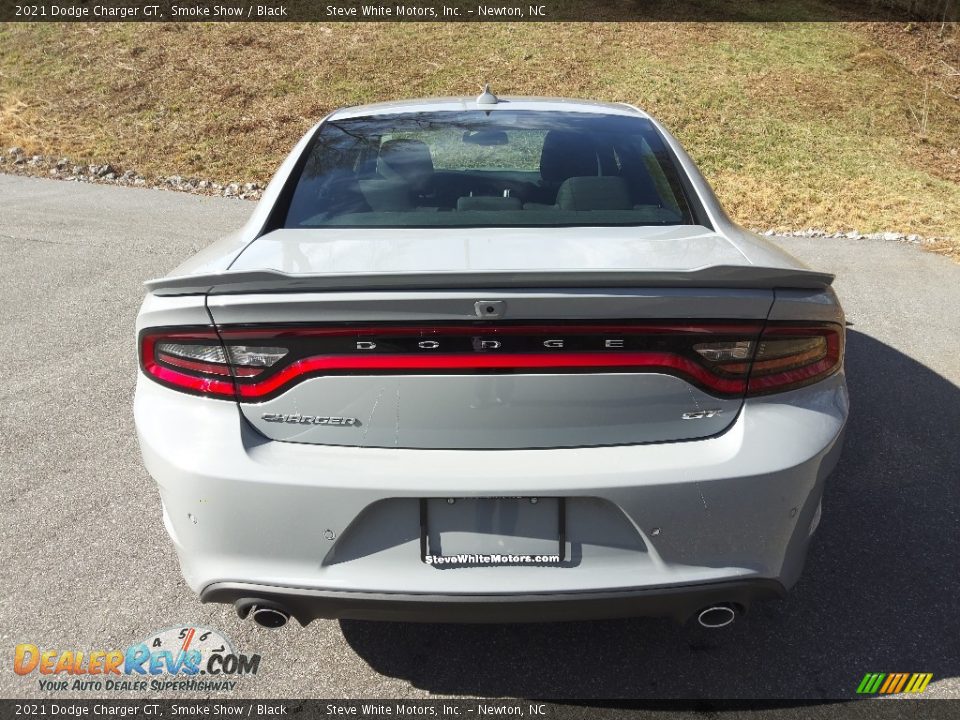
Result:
pixel 701 414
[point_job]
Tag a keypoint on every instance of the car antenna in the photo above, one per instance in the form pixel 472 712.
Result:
pixel 487 97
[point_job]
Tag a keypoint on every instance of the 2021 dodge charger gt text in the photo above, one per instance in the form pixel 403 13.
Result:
pixel 490 360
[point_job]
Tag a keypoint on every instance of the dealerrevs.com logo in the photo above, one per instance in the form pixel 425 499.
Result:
pixel 178 658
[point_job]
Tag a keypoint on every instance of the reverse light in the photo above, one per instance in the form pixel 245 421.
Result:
pixel 249 356
pixel 724 351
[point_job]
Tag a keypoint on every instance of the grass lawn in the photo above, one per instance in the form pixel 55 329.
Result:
pixel 829 125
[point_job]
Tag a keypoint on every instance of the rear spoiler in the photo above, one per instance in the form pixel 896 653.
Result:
pixel 271 281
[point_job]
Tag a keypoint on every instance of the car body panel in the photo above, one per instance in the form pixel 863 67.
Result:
pixel 459 305
pixel 491 411
pixel 661 512
pixel 522 410
pixel 506 102
pixel 242 507
pixel 345 250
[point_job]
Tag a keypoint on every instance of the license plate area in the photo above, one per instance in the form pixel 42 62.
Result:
pixel 485 531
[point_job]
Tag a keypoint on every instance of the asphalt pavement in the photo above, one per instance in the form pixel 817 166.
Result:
pixel 85 562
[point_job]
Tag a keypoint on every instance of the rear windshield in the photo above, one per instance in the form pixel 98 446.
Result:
pixel 496 168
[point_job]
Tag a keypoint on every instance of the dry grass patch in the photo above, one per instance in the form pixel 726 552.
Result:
pixel 796 125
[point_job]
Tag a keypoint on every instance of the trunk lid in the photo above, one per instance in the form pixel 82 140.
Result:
pixel 576 337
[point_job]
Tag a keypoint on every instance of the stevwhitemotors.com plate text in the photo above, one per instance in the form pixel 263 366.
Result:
pixel 493 559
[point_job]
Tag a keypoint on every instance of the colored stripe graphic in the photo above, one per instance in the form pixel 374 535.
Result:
pixel 871 683
pixel 892 683
pixel 918 682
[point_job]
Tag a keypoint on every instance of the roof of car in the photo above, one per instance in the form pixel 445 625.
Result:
pixel 503 103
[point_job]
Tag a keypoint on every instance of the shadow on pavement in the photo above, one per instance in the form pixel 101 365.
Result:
pixel 880 592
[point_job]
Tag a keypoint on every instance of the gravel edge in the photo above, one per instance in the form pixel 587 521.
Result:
pixel 15 161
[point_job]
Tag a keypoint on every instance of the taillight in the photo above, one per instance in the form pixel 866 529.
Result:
pixel 254 364
pixel 791 356
pixel 783 358
pixel 197 361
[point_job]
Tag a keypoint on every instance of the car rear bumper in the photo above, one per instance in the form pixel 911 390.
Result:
pixel 335 529
pixel 679 603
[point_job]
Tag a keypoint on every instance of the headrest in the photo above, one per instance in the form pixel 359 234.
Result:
pixel 406 159
pixel 594 193
pixel 567 154
pixel 386 195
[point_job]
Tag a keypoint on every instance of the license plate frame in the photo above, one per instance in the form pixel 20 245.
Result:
pixel 561 520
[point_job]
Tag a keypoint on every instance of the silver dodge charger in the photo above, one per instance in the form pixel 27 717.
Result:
pixel 490 360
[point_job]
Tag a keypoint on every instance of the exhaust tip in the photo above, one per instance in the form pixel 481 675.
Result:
pixel 269 617
pixel 716 616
